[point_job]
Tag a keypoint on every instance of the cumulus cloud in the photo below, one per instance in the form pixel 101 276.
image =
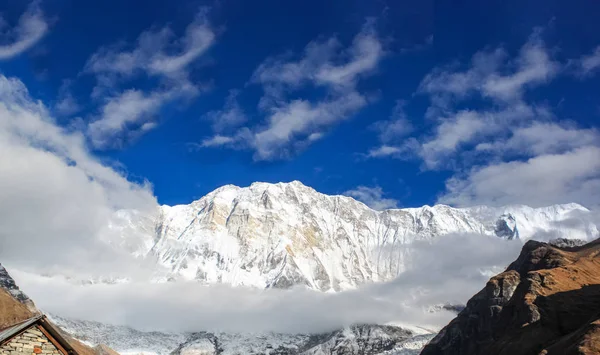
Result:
pixel 30 29
pixel 372 197
pixel 542 180
pixel 292 124
pixel 437 273
pixel 57 198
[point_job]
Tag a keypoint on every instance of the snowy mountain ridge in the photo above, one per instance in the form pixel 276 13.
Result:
pixel 286 234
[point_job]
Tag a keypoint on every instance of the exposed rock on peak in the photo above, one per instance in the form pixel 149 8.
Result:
pixel 286 234
pixel 8 284
pixel 547 302
pixel 506 227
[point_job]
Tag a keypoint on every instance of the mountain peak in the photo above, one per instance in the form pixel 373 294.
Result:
pixel 286 234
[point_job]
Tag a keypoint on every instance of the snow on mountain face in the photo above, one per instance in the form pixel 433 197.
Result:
pixel 279 235
pixel 357 339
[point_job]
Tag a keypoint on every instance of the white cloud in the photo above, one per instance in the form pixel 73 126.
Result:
pixel 152 53
pixel 372 197
pixel 492 76
pixel 31 28
pixel 396 127
pixel 130 114
pixel 590 63
pixel 158 53
pixel 57 198
pixel 534 66
pixel 453 131
pixel 217 141
pixel 66 104
pixel 384 151
pixel 391 134
pixel 231 116
pixel 573 176
pixel 290 127
pixel 437 274
pixel 544 138
pixel 506 150
pixel 292 124
pixel 325 63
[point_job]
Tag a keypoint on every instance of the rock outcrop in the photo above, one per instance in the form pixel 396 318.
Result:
pixel 547 302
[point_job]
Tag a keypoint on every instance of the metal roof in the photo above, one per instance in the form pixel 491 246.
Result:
pixel 52 332
pixel 17 328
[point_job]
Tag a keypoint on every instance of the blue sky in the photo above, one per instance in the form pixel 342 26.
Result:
pixel 397 103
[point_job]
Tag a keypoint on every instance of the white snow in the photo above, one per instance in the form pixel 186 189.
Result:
pixel 278 235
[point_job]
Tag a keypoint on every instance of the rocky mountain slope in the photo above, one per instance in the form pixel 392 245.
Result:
pixel 279 235
pixel 547 302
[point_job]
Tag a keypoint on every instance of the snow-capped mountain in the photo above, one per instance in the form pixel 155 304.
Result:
pixel 279 235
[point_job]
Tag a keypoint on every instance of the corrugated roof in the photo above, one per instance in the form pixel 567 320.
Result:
pixel 17 328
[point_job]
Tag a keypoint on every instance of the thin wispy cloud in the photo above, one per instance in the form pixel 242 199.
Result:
pixel 493 76
pixel 291 125
pixel 153 51
pixel 230 117
pixel 131 114
pixel 373 197
pixel 588 64
pixel 30 29
pixel 391 133
pixel 126 115
pixel 66 104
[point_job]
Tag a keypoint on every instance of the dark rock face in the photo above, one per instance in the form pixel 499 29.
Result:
pixel 506 227
pixel 546 302
pixel 7 283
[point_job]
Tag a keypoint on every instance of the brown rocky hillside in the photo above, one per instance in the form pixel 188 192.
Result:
pixel 547 302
